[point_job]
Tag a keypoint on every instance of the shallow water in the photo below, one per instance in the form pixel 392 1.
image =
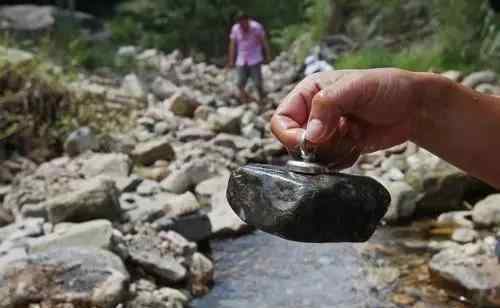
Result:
pixel 263 271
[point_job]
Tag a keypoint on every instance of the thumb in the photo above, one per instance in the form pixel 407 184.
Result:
pixel 327 108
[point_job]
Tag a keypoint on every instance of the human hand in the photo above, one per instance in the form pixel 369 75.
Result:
pixel 346 113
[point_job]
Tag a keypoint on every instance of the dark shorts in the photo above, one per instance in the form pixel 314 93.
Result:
pixel 249 71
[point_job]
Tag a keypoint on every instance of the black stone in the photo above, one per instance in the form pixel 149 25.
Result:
pixel 195 227
pixel 308 208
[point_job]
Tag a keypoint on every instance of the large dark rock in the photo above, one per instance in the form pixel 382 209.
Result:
pixel 308 208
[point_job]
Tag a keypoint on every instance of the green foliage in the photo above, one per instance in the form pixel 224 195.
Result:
pixel 311 29
pixel 192 25
pixel 460 29
pixel 463 35
pixel 415 59
pixel 318 16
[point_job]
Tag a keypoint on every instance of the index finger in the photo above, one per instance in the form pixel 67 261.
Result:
pixel 290 119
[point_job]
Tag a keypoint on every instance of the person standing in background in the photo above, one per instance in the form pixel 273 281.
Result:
pixel 248 50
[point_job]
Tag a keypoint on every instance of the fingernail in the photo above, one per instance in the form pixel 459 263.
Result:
pixel 315 130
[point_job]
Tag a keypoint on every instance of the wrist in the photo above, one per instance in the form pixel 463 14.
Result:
pixel 433 94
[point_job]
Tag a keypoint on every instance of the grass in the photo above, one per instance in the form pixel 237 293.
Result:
pixel 414 59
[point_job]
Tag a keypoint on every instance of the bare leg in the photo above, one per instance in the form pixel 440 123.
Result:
pixel 244 96
pixel 256 74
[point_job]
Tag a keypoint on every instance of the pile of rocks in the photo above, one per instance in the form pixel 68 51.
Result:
pixel 116 221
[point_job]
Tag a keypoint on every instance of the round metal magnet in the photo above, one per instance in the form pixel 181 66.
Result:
pixel 308 155
pixel 306 167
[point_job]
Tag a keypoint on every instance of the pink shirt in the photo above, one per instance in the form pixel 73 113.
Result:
pixel 248 45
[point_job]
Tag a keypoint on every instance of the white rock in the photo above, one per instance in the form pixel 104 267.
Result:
pixel 163 88
pixel 453 75
pixel 112 165
pixel 148 188
pixel 456 219
pixel 464 235
pixel 190 175
pixel 486 213
pixel 222 218
pixel 403 201
pixel 487 88
pixel 95 198
pixel 178 205
pixel 15 56
pixel 475 79
pixel 131 85
pixel 207 188
pixel 127 51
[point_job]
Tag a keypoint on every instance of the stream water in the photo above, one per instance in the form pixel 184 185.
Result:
pixel 263 271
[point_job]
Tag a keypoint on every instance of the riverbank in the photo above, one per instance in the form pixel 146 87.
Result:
pixel 147 199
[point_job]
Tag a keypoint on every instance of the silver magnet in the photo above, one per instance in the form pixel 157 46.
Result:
pixel 308 156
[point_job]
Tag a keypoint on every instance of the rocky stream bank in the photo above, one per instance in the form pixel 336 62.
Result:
pixel 126 219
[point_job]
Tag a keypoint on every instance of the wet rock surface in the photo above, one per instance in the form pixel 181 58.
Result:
pixel 308 208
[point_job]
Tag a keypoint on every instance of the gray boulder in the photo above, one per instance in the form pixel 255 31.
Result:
pixel 139 209
pixel 194 133
pixel 469 268
pixel 443 188
pixel 202 274
pixel 112 165
pixel 148 188
pixel 234 142
pixel 162 298
pixel 31 227
pixel 149 152
pixel 116 143
pixel 226 120
pixel 147 251
pixel 163 88
pixel 69 275
pixel 189 175
pixel 203 112
pixel 207 188
pixel 92 234
pixel 181 104
pixel 165 268
pixel 80 141
pixel 178 205
pixel 95 198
